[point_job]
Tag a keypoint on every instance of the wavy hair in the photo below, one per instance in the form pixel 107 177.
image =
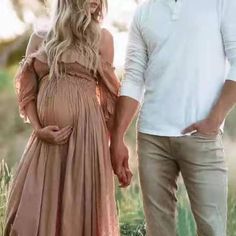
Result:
pixel 74 27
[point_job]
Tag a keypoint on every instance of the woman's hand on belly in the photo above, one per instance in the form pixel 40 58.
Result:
pixel 54 135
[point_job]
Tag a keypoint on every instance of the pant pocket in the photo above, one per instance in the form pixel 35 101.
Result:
pixel 207 138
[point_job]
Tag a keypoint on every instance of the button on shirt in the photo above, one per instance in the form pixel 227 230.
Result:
pixel 176 61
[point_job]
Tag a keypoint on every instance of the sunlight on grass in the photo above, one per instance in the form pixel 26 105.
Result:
pixel 130 210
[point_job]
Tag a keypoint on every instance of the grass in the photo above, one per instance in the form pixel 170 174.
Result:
pixel 5 180
pixel 130 208
pixel 132 218
pixel 132 221
pixel 5 80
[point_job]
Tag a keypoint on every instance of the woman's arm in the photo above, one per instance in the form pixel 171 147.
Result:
pixel 107 46
pixel 30 108
pixel 109 86
pixel 27 92
pixel 107 52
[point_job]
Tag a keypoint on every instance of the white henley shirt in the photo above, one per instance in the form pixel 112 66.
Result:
pixel 176 61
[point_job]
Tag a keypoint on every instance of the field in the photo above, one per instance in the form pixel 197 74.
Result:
pixel 130 209
pixel 13 138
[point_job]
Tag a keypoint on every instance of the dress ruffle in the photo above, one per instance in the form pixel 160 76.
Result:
pixel 26 82
pixel 65 190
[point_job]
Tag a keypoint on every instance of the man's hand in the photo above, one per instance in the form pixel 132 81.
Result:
pixel 120 162
pixel 207 127
pixel 54 135
pixel 210 126
pixel 126 109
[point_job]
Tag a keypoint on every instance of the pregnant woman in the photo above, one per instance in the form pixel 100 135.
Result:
pixel 67 90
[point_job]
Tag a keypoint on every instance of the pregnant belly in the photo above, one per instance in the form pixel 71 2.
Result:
pixel 64 103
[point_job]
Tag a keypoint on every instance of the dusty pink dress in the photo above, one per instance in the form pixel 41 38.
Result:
pixel 65 190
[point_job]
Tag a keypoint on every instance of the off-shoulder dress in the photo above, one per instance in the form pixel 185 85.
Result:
pixel 65 190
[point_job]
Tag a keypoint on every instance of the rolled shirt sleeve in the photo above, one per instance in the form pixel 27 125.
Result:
pixel 228 29
pixel 136 62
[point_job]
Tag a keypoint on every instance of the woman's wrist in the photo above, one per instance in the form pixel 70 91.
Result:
pixel 37 130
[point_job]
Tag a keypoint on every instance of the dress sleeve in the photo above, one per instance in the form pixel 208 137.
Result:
pixel 26 79
pixel 108 91
pixel 26 85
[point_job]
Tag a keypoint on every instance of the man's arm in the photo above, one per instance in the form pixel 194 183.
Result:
pixel 227 99
pixel 132 89
pixel 126 110
pixel 225 103
pixel 131 95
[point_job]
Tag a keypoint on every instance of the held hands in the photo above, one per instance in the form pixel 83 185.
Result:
pixel 54 135
pixel 120 164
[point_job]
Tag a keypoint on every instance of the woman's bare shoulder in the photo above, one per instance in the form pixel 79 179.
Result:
pixel 35 41
pixel 106 35
pixel 107 45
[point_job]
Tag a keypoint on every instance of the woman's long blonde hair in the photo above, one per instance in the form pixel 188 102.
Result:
pixel 74 27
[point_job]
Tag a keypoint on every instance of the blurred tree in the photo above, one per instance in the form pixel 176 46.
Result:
pixel 11 50
pixel 37 7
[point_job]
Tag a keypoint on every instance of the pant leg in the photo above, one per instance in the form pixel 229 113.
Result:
pixel 203 167
pixel 158 176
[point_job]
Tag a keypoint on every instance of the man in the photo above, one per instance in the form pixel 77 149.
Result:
pixel 175 68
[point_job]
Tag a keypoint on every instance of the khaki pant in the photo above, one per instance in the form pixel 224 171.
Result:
pixel 201 162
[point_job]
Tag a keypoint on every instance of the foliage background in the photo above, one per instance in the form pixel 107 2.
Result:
pixel 18 20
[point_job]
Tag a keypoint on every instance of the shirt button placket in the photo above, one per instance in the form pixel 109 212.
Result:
pixel 176 7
